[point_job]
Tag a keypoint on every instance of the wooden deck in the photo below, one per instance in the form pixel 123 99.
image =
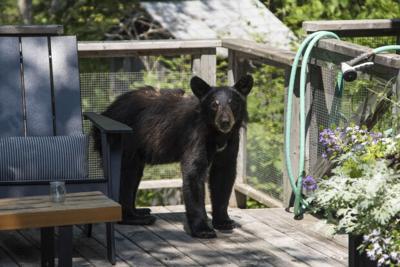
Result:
pixel 267 237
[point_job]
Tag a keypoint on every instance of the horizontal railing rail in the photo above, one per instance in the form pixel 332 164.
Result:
pixel 145 47
pixel 261 52
pixel 355 28
pixel 31 30
pixel 249 49
pixel 336 51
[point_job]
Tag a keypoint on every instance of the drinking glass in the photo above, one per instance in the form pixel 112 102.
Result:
pixel 57 191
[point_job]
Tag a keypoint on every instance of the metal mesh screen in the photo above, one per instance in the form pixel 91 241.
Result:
pixel 264 133
pixel 359 104
pixel 265 130
pixel 98 90
pixel 371 41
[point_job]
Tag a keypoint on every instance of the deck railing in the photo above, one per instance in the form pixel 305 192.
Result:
pixel 241 54
pixel 203 58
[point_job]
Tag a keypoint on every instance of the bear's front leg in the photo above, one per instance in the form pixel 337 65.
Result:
pixel 194 171
pixel 222 178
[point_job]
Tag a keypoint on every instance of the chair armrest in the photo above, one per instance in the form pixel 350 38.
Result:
pixel 106 124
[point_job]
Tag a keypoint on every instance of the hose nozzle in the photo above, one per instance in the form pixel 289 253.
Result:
pixel 350 72
pixel 349 68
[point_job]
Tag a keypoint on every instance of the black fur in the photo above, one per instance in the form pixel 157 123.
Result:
pixel 201 132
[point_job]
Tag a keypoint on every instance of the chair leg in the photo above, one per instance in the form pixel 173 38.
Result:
pixel 110 243
pixel 88 230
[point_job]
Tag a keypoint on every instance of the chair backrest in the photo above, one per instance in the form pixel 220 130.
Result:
pixel 39 86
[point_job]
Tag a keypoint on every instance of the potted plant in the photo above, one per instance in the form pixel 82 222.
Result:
pixel 361 194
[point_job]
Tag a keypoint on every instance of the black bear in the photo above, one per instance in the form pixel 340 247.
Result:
pixel 201 132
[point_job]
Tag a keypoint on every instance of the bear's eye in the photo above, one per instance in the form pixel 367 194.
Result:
pixel 230 100
pixel 215 104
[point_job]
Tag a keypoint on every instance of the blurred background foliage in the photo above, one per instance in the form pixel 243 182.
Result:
pixel 294 12
pixel 125 20
pixel 99 20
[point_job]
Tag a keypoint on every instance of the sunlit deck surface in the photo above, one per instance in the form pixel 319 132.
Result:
pixel 267 237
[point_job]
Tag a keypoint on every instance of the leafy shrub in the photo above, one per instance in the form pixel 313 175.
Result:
pixel 362 194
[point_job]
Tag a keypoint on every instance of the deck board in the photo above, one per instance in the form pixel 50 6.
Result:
pixel 5 259
pixel 92 250
pixel 243 248
pixel 128 251
pixel 266 237
pixel 310 225
pixel 310 239
pixel 289 245
pixel 33 237
pixel 19 249
pixel 155 246
pixel 232 250
pixel 172 233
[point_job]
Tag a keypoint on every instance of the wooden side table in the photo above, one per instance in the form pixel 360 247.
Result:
pixel 39 212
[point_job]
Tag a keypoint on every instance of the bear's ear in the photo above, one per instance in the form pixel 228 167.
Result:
pixel 244 85
pixel 199 87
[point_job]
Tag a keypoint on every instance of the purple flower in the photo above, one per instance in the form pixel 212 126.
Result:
pixel 309 183
pixel 335 142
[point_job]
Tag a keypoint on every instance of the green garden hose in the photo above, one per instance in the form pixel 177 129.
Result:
pixel 307 45
pixel 386 48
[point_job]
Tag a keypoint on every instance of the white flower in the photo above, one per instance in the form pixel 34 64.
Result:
pixel 394 256
pixel 371 255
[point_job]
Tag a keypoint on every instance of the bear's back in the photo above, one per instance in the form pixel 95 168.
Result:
pixel 162 122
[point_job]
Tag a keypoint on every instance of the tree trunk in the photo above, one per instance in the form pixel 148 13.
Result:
pixel 55 6
pixel 25 8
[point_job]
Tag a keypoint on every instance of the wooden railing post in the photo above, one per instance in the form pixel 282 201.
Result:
pixel 204 65
pixel 315 93
pixel 236 69
pixel 294 140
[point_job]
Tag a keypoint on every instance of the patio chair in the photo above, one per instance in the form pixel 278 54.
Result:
pixel 41 135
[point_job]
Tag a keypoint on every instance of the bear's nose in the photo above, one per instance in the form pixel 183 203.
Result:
pixel 225 123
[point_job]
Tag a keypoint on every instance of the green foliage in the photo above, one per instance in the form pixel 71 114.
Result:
pixel 253 204
pixel 165 196
pixel 9 13
pixel 294 12
pixel 264 158
pixel 265 130
pixel 88 19
pixel 165 171
pixel 265 102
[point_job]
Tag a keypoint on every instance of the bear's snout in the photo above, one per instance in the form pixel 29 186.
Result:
pixel 224 120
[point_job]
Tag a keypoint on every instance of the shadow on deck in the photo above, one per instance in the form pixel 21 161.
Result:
pixel 267 237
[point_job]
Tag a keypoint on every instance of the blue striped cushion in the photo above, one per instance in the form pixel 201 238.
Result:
pixel 43 158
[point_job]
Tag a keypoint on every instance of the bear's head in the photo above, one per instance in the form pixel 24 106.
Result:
pixel 223 106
